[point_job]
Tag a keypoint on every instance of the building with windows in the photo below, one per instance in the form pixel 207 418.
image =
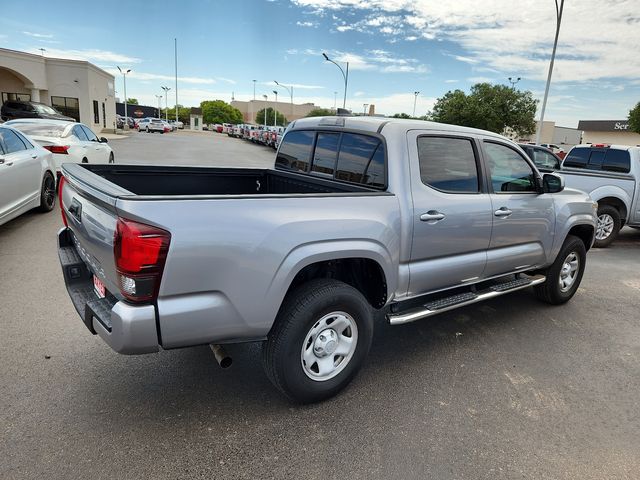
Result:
pixel 613 132
pixel 75 88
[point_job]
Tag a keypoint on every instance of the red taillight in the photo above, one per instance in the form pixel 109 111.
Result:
pixel 140 252
pixel 62 149
pixel 61 183
pixel 600 145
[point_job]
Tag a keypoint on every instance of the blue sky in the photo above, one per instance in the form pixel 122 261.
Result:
pixel 394 47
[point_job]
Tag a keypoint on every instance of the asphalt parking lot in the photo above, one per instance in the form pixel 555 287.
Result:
pixel 511 388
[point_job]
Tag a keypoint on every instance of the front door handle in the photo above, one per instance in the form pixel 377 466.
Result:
pixel 431 216
pixel 35 155
pixel 502 212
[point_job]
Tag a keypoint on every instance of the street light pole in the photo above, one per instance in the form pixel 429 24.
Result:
pixel 365 105
pixel 175 44
pixel 166 113
pixel 345 75
pixel 335 96
pixel 254 89
pixel 290 90
pixel 265 110
pixel 124 79
pixel 513 82
pixel 553 58
pixel 275 110
pixel 159 97
pixel 415 98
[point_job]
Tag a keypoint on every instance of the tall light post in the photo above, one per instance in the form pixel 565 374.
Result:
pixel 290 90
pixel 265 110
pixel 159 97
pixel 275 110
pixel 415 98
pixel 175 48
pixel 254 89
pixel 365 105
pixel 553 58
pixel 166 99
pixel 345 75
pixel 335 96
pixel 513 82
pixel 124 79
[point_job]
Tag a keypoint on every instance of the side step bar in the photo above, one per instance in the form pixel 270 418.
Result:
pixel 463 299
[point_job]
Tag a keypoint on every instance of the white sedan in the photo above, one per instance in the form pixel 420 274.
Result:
pixel 70 142
pixel 27 175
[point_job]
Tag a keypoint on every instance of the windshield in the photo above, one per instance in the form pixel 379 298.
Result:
pixel 39 129
pixel 45 109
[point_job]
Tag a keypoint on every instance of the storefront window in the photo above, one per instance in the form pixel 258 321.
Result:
pixel 25 97
pixel 67 106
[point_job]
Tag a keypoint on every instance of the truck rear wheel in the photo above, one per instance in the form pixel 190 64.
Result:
pixel 319 341
pixel 608 226
pixel 565 274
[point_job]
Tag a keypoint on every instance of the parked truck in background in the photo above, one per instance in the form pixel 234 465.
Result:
pixel 610 174
pixel 362 218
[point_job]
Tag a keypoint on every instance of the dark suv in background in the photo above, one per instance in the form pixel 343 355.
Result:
pixel 544 158
pixel 12 109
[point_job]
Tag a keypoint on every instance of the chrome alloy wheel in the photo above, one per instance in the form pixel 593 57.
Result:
pixel 329 346
pixel 569 272
pixel 604 227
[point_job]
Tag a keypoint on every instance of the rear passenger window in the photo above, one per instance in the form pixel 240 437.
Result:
pixel 595 160
pixel 326 153
pixel 361 160
pixel 295 151
pixel 577 158
pixel 617 161
pixel 448 164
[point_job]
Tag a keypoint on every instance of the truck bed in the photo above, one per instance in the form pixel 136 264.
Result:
pixel 149 180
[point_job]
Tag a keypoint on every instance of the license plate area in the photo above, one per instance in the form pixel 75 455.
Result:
pixel 98 287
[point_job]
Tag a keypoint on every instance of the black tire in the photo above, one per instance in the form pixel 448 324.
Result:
pixel 112 158
pixel 84 160
pixel 614 215
pixel 301 312
pixel 551 291
pixel 47 193
pixel 147 129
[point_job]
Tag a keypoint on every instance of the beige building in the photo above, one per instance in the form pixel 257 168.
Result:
pixel 290 111
pixel 564 137
pixel 613 132
pixel 76 88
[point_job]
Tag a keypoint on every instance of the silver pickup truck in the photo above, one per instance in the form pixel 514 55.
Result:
pixel 610 174
pixel 361 219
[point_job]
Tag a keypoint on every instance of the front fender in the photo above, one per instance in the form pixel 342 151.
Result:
pixel 567 225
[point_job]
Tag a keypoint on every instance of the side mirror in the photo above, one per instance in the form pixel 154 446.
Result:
pixel 103 140
pixel 552 183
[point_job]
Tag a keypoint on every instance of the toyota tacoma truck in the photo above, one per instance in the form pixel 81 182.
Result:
pixel 361 219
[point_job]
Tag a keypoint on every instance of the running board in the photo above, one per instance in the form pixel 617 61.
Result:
pixel 463 299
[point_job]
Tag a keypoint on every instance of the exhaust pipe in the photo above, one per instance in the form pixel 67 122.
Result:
pixel 221 355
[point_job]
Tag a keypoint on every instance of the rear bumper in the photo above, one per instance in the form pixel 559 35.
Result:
pixel 128 329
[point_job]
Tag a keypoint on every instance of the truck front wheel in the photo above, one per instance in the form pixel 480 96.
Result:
pixel 608 226
pixel 565 274
pixel 319 341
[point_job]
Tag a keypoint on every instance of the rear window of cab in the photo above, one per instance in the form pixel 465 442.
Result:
pixel 344 156
pixel 599 159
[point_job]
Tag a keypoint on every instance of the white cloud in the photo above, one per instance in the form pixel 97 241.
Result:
pixel 296 86
pixel 38 35
pixel 134 74
pixel 598 40
pixel 90 55
pixel 451 81
pixel 480 80
pixel 305 24
pixel 377 59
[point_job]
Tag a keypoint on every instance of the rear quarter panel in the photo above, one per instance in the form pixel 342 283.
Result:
pixel 232 260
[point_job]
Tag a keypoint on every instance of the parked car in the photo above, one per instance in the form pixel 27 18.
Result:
pixel 119 121
pixel 69 142
pixel 553 147
pixel 237 131
pixel 226 127
pixel 12 109
pixel 611 175
pixel 218 128
pixel 151 125
pixel 179 125
pixel 205 127
pixel 545 159
pixel 168 127
pixel 361 217
pixel 27 175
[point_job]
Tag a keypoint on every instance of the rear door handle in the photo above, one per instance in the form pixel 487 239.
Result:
pixel 431 216
pixel 35 155
pixel 502 212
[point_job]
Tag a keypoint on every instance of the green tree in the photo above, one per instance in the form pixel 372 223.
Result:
pixel 320 112
pixel 282 120
pixel 219 111
pixel 132 101
pixel 634 118
pixel 409 117
pixel 489 107
pixel 183 113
